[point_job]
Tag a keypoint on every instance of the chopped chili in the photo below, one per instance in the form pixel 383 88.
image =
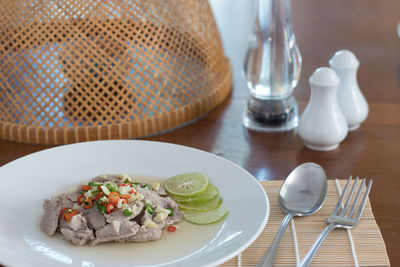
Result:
pixel 81 199
pixel 62 211
pixel 171 228
pixel 113 198
pixel 69 214
pixel 85 187
pixel 88 203
pixel 110 208
pixel 99 195
pixel 126 197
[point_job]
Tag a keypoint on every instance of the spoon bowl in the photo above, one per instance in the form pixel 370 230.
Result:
pixel 302 194
pixel 304 190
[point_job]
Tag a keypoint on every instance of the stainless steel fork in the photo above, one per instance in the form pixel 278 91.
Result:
pixel 341 217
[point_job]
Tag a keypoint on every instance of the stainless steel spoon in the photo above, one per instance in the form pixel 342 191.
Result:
pixel 302 194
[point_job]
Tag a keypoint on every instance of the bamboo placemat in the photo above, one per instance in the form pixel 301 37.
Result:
pixel 335 251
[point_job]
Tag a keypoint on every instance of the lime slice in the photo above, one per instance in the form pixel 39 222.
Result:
pixel 187 184
pixel 209 205
pixel 207 217
pixel 210 193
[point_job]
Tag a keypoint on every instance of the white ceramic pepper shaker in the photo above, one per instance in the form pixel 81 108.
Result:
pixel 350 99
pixel 322 125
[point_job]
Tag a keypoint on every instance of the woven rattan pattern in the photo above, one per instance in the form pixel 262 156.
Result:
pixel 79 70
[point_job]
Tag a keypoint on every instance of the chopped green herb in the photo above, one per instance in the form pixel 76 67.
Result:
pixel 149 209
pixel 145 186
pixel 127 212
pixel 95 184
pixel 127 181
pixel 135 183
pixel 68 211
pixel 101 208
pixel 94 192
pixel 112 188
pixel 172 211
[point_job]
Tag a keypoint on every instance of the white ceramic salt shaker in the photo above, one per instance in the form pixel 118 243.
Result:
pixel 322 125
pixel 350 99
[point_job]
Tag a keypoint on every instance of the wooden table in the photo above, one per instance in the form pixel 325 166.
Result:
pixel 366 27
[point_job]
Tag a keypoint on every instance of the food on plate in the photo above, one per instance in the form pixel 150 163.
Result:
pixel 212 204
pixel 187 184
pixel 111 208
pixel 206 217
pixel 197 197
pixel 210 193
pixel 114 208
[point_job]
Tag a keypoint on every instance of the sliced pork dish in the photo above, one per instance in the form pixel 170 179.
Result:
pixel 110 208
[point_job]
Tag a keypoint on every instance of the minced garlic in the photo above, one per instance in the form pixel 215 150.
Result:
pixel 150 224
pixel 155 186
pixel 161 214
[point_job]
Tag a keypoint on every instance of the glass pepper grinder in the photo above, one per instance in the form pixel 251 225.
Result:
pixel 272 68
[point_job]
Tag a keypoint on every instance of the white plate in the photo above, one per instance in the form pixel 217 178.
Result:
pixel 25 182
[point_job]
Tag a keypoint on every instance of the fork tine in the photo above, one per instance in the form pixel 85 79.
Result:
pixel 339 203
pixel 364 201
pixel 346 205
pixel 356 199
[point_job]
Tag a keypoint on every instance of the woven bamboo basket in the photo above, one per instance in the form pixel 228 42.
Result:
pixel 80 70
